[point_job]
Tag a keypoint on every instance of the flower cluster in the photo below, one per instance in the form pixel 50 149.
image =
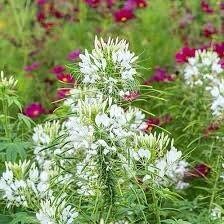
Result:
pixel 99 146
pixel 204 66
pixel 110 67
pixel 205 69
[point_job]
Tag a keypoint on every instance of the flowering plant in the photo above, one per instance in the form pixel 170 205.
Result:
pixel 98 163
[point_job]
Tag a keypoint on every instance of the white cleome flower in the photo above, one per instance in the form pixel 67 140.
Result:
pixel 110 66
pixel 217 94
pixel 55 211
pixel 204 66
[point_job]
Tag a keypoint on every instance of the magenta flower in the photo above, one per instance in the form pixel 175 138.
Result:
pixel 221 62
pixel 58 69
pixel 184 53
pixel 133 4
pixel 41 2
pixel 219 49
pixel 205 7
pixel 40 17
pixel 74 55
pixel 63 93
pixel 131 96
pixel 34 110
pixel 200 170
pixel 209 30
pixel 65 77
pixel 93 3
pixel 123 15
pixel 160 75
pixel 32 67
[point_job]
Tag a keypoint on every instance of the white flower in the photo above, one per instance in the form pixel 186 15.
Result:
pixel 204 66
pixel 217 93
pixel 110 66
pixel 55 211
pixel 7 82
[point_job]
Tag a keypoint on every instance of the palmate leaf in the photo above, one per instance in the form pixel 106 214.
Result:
pixel 23 218
pixel 14 150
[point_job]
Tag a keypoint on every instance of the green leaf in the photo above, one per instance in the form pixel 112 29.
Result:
pixel 23 218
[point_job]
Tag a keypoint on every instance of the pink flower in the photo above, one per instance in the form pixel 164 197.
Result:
pixel 40 17
pixel 133 4
pixel 213 127
pixel 34 110
pixel 65 77
pixel 219 49
pixel 160 75
pixel 130 96
pixel 63 93
pixel 93 3
pixel 183 54
pixel 186 20
pixel 221 5
pixel 73 55
pixel 32 67
pixel 41 2
pixel 206 7
pixel 221 62
pixel 123 15
pixel 151 123
pixel 200 170
pixel 57 69
pixel 209 30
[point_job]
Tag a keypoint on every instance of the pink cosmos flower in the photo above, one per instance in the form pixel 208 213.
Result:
pixel 123 15
pixel 58 69
pixel 160 75
pixel 206 7
pixel 93 3
pixel 34 110
pixel 65 77
pixel 74 55
pixel 133 4
pixel 183 54
pixel 209 30
pixel 32 67
pixel 63 93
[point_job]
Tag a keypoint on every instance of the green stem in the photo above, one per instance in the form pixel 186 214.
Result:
pixel 214 190
pixel 156 207
pixel 6 121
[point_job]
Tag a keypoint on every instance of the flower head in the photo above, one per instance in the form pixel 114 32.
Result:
pixel 123 15
pixel 58 69
pixel 34 110
pixel 32 67
pixel 74 55
pixel 110 67
pixel 65 77
pixel 184 53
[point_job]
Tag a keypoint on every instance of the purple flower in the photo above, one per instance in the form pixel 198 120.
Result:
pixel 58 69
pixel 160 75
pixel 73 55
pixel 32 67
pixel 34 110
